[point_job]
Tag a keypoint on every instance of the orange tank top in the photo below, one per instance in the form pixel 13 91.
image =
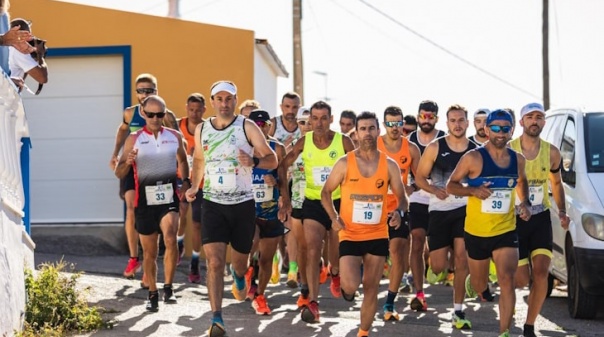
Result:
pixel 183 125
pixel 363 199
pixel 403 159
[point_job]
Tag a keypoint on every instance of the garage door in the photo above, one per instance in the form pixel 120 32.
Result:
pixel 72 126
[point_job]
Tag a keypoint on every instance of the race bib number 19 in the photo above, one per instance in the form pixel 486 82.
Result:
pixel 367 213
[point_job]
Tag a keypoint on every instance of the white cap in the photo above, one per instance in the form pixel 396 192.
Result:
pixel 224 86
pixel 483 111
pixel 301 111
pixel 532 107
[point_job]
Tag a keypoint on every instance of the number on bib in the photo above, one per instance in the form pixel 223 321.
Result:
pixel 159 194
pixel 367 213
pixel 320 175
pixel 499 202
pixel 262 192
pixel 222 178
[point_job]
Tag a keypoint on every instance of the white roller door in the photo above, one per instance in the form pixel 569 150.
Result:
pixel 72 126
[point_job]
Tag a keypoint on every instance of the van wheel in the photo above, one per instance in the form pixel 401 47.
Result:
pixel 580 304
pixel 550 285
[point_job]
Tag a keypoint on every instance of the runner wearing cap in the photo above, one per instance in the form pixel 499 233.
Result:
pixel 227 148
pixel 543 163
pixel 480 117
pixel 493 172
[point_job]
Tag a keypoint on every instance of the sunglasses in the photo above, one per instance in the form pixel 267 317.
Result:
pixel 154 114
pixel 145 90
pixel 498 128
pixel 427 116
pixel 393 124
pixel 408 130
pixel 303 122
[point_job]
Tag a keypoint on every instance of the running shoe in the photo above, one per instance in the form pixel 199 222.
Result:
pixel 251 292
pixel 292 280
pixel 259 304
pixel 310 313
pixel 486 296
pixel 275 276
pixel 460 322
pixel 506 333
pixel 323 272
pixel 389 313
pixel 470 292
pixel 133 266
pixel 153 302
pixel 450 280
pixel 194 275
pixel 529 331
pixel 492 272
pixel 433 278
pixel 217 328
pixel 419 304
pixel 335 286
pixel 169 295
pixel 238 292
pixel 144 283
pixel 302 301
pixel 405 286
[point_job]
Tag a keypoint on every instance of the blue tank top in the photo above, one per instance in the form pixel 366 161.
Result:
pixel 499 177
pixel 137 122
pixel 267 198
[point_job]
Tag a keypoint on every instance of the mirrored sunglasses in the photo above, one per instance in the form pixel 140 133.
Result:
pixel 499 128
pixel 427 116
pixel 393 124
pixel 145 90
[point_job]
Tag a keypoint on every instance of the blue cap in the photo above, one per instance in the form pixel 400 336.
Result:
pixel 499 115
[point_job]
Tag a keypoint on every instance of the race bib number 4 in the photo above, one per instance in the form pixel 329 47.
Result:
pixel 320 174
pixel 499 202
pixel 222 178
pixel 159 194
pixel 262 192
pixel 367 213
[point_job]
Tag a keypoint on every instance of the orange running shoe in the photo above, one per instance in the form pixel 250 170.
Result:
pixel 259 304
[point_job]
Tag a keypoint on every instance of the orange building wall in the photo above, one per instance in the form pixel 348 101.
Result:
pixel 185 56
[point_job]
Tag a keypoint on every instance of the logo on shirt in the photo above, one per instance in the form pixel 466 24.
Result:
pixel 511 182
pixel 403 159
pixel 379 183
pixel 332 154
pixel 444 154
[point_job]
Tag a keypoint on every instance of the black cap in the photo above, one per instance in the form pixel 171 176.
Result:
pixel 259 115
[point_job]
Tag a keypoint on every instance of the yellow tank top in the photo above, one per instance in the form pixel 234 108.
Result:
pixel 537 175
pixel 318 164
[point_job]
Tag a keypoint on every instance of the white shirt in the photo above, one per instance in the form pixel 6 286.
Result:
pixel 20 63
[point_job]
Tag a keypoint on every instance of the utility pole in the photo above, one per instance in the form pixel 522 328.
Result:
pixel 298 65
pixel 173 11
pixel 545 52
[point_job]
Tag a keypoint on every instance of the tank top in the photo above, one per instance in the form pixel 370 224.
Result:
pixel 473 139
pixel 537 174
pixel 318 164
pixel 445 163
pixel 155 167
pixel 190 138
pixel 137 121
pixel 281 134
pixel 403 159
pixel 225 180
pixel 494 215
pixel 363 202
pixel 266 198
pixel 298 183
pixel 421 196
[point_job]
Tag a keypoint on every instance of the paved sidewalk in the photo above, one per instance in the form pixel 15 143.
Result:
pixel 191 315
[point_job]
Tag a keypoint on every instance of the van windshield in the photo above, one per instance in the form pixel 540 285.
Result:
pixel 594 128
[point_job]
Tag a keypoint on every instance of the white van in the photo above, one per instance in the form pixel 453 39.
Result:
pixel 579 252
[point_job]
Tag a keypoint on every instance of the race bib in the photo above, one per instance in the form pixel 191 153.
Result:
pixel 367 213
pixel 159 194
pixel 499 202
pixel 450 200
pixel 262 192
pixel 320 174
pixel 536 195
pixel 222 178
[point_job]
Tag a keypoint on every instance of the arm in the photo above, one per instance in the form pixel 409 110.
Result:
pixel 183 165
pixel 470 164
pixel 415 157
pixel 170 120
pixel 284 165
pixel 424 168
pixel 15 37
pixel 397 187
pixel 555 179
pixel 348 144
pixel 269 179
pixel 199 164
pixel 273 128
pixel 522 189
pixel 266 157
pixel 122 133
pixel 335 179
pixel 126 161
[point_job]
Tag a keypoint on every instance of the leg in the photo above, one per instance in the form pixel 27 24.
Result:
pixel 131 234
pixel 350 271
pixel 397 256
pixel 169 226
pixel 418 264
pixel 372 273
pixel 439 259
pixel 461 270
pixel 540 273
pixel 506 262
pixel 479 273
pixel 314 232
pixel 215 253
pixel 267 249
pixel 149 243
pixel 298 236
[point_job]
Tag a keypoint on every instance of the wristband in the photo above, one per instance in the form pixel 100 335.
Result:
pixel 256 161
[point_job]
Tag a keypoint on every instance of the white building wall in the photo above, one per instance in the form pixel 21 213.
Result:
pixel 265 85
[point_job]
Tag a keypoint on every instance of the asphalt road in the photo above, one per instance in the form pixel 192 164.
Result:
pixel 124 300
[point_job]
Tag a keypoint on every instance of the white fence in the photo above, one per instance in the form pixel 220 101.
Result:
pixel 16 247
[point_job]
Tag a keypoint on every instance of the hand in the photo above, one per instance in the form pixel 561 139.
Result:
pixel 113 162
pixel 132 156
pixel 186 185
pixel 191 193
pixel 269 180
pixel 441 193
pixel 288 141
pixel 482 192
pixel 245 159
pixel 337 224
pixel 409 189
pixel 564 220
pixel 16 37
pixel 18 82
pixel 525 212
pixel 395 219
pixel 284 211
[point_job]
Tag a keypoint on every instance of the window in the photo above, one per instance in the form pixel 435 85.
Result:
pixel 594 149
pixel 567 148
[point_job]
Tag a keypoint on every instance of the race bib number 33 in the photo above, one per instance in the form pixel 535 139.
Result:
pixel 159 194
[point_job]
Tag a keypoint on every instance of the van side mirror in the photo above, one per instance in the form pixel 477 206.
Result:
pixel 569 177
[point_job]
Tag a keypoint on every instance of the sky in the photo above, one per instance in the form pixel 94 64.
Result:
pixel 365 55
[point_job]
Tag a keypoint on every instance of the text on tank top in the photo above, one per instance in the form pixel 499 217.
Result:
pixel 137 121
pixel 537 174
pixel 266 197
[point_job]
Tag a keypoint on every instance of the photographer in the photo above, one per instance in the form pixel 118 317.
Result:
pixel 28 64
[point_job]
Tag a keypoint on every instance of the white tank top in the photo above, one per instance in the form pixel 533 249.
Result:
pixel 281 134
pixel 226 181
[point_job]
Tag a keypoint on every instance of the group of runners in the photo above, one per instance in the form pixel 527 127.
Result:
pixel 350 201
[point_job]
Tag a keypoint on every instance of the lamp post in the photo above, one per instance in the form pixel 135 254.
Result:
pixel 325 78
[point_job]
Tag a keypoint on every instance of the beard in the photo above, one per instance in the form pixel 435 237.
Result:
pixel 534 131
pixel 427 127
pixel 481 133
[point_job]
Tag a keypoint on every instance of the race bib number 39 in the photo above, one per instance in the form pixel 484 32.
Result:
pixel 367 213
pixel 320 174
pixel 262 192
pixel 499 202
pixel 159 194
pixel 222 178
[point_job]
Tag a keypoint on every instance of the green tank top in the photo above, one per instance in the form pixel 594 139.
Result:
pixel 537 175
pixel 319 163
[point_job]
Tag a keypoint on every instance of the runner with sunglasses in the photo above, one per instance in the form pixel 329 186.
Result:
pixel 153 152
pixel 495 176
pixel 406 155
pixel 133 120
pixel 410 125
pixel 419 216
